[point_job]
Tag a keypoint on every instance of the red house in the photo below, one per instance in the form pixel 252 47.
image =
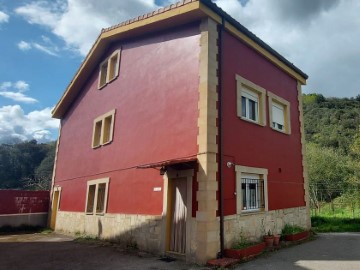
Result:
pixel 180 130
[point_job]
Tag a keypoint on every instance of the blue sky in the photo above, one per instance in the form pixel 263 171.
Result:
pixel 43 43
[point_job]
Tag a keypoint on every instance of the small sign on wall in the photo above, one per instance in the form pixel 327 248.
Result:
pixel 157 189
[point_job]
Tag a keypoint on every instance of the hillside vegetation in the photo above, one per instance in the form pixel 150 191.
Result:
pixel 26 165
pixel 332 128
pixel 331 122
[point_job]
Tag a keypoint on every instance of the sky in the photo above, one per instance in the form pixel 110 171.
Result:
pixel 43 42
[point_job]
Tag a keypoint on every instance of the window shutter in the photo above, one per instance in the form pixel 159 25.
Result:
pixel 278 114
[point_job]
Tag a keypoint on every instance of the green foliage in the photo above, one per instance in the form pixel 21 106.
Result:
pixel 24 164
pixel 242 242
pixel 331 122
pixel 291 229
pixel 335 224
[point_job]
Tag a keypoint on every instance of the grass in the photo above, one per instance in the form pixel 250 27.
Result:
pixel 336 218
pixel 335 224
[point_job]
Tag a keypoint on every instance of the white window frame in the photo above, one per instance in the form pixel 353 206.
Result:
pixel 242 171
pixel 102 119
pixel 279 102
pixel 251 91
pixel 115 56
pixel 97 182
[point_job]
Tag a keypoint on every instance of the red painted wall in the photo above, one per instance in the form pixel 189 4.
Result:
pixel 155 97
pixel 21 202
pixel 252 145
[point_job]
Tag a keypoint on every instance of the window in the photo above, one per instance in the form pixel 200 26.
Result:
pixel 252 192
pixel 96 198
pixel 279 113
pixel 103 129
pixel 109 69
pixel 251 189
pixel 250 101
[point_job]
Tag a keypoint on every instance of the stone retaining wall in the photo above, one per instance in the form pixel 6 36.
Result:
pixel 254 226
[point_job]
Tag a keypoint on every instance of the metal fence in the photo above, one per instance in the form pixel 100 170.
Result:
pixel 335 201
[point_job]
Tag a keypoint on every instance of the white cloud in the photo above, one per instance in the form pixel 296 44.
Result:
pixel 17 96
pixel 4 18
pixel 50 48
pixel 24 46
pixel 35 125
pixel 47 50
pixel 21 86
pixel 14 91
pixel 78 23
pixel 318 36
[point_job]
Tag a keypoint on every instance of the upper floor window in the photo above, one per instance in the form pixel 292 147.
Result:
pixel 250 101
pixel 109 69
pixel 103 129
pixel 279 113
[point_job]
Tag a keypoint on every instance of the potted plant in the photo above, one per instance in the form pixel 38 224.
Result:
pixel 269 239
pixel 243 249
pixel 294 233
pixel 276 236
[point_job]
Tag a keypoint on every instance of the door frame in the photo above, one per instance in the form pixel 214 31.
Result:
pixel 166 217
pixel 55 203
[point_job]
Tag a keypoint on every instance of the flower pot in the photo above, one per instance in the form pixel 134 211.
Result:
pixel 297 236
pixel 269 240
pixel 276 240
pixel 247 252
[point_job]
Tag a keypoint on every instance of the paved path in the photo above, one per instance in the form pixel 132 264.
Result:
pixel 59 252
pixel 336 251
pixel 340 251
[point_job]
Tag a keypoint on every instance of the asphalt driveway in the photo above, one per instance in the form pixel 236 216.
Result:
pixel 335 251
pixel 55 251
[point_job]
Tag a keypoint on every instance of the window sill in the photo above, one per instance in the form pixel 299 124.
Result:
pixel 100 87
pixel 106 143
pixel 280 131
pixel 252 212
pixel 111 80
pixel 251 121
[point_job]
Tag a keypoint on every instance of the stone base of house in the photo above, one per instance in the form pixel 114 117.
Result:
pixel 144 231
pixel 147 232
pixel 253 226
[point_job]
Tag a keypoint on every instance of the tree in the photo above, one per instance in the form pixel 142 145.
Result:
pixel 25 161
pixel 329 173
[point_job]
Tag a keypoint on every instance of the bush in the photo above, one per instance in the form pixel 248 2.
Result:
pixel 291 229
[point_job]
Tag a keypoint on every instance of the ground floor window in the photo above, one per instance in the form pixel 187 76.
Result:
pixel 96 197
pixel 251 189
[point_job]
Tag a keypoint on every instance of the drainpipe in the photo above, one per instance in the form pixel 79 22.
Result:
pixel 221 154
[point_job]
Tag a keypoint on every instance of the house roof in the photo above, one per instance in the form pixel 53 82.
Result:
pixel 180 13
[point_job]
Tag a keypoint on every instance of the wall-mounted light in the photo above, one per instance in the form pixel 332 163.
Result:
pixel 229 164
pixel 162 170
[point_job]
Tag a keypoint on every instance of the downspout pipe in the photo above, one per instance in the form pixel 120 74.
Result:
pixel 221 153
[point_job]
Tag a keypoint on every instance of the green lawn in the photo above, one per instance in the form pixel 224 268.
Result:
pixel 337 220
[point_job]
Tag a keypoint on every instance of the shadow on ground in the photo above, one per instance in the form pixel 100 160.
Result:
pixel 56 251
